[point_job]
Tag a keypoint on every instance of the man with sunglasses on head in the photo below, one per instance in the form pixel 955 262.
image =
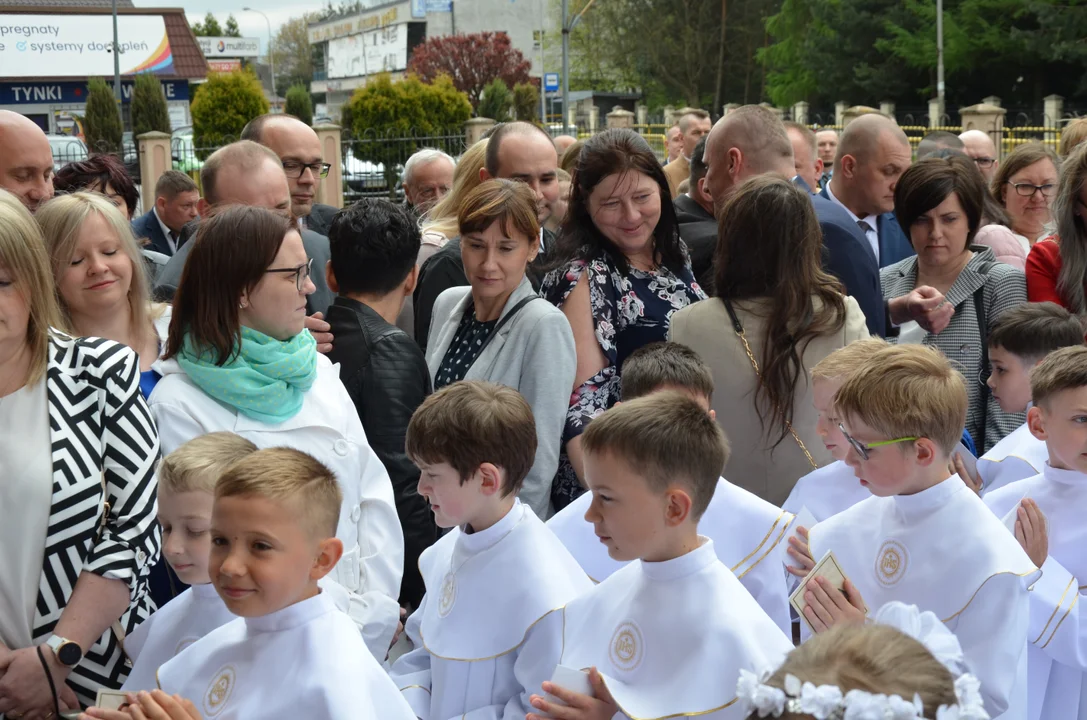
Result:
pixel 245 173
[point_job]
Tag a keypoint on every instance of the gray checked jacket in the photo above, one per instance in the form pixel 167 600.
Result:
pixel 998 287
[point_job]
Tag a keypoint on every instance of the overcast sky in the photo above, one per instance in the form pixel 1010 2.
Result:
pixel 250 23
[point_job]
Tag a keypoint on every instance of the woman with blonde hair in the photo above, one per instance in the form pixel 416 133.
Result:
pixel 101 279
pixel 441 222
pixel 1057 267
pixel 77 499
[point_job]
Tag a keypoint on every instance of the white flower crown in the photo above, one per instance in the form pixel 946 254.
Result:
pixel 827 702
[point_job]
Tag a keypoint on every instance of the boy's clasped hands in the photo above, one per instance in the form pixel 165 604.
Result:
pixel 826 605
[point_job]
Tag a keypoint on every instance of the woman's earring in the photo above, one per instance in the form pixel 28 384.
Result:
pixel 241 305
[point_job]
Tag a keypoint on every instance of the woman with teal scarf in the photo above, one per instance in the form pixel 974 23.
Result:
pixel 239 359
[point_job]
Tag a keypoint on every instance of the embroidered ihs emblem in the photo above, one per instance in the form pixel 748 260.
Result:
pixel 448 595
pixel 627 646
pixel 892 561
pixel 219 691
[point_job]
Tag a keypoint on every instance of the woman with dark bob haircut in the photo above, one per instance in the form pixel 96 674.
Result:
pixel 101 174
pixel 939 202
pixel 620 272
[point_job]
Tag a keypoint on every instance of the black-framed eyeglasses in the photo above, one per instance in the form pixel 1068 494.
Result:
pixel 864 450
pixel 297 169
pixel 301 273
pixel 984 162
pixel 1028 189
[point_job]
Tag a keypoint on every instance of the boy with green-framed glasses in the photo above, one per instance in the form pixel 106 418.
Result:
pixel 924 538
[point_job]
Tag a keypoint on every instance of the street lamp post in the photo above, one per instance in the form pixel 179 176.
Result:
pixel 271 53
pixel 116 57
pixel 568 24
pixel 940 53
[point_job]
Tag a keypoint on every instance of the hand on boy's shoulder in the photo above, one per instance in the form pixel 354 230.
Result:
pixel 958 467
pixel 578 706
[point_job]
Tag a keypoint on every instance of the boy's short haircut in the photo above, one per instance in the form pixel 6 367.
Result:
pixel 665 364
pixel 197 465
pixel 1033 330
pixel 877 659
pixel 907 391
pixel 844 361
pixel 1064 369
pixel 292 477
pixel 667 438
pixel 470 423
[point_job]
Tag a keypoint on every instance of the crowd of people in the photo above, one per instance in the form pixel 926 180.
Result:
pixel 790 425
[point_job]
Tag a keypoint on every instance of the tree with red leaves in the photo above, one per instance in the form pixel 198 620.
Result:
pixel 472 61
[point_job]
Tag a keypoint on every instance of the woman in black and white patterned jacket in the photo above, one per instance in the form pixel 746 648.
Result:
pixel 77 497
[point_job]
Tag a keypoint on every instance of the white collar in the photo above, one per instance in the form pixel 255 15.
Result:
pixel 167 232
pixel 682 566
pixel 292 616
pixel 913 507
pixel 872 220
pixel 1059 476
pixel 477 542
pixel 204 591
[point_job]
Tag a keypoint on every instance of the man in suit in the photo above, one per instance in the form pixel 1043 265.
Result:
pixel 806 160
pixel 872 155
pixel 374 245
pixel 697 226
pixel 246 173
pixel 515 151
pixel 176 198
pixel 320 217
pixel 694 124
pixel 826 142
pixel 752 141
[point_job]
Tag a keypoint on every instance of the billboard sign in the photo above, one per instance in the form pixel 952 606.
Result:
pixel 551 82
pixel 229 47
pixel 384 50
pixel 363 22
pixel 71 93
pixel 82 45
pixel 229 65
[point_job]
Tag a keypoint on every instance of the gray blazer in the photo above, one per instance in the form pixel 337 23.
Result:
pixel 533 354
pixel 999 287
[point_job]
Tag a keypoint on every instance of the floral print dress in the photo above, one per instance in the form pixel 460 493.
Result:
pixel 629 310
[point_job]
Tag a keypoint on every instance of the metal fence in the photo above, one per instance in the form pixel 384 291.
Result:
pixel 373 163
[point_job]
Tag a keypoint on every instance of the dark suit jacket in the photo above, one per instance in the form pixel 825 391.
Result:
pixel 316 249
pixel 698 229
pixel 893 243
pixel 848 257
pixel 387 378
pixel 147 226
pixel 320 218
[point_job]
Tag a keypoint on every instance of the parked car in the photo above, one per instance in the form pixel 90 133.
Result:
pixel 66 149
pixel 184 154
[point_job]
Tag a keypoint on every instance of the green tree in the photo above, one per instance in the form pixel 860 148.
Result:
pixel 209 28
pixel 293 54
pixel 149 112
pixel 496 101
pixel 226 102
pixel 231 28
pixel 526 102
pixel 299 103
pixel 390 117
pixel 102 127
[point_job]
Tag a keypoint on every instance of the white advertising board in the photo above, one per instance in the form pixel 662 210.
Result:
pixel 229 47
pixel 81 45
pixel 386 50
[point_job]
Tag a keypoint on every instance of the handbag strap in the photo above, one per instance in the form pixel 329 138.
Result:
pixel 739 328
pixel 503 320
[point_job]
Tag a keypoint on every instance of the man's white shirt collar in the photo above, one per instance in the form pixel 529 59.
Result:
pixel 872 220
pixel 167 232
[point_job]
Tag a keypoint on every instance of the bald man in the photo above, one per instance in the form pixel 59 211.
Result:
pixel 979 146
pixel 873 152
pixel 26 160
pixel 563 143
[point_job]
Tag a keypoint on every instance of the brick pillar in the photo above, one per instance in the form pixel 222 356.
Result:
pixel 475 129
pixel 330 189
pixel 155 159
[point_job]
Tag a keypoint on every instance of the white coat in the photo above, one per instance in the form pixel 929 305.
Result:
pixel 328 428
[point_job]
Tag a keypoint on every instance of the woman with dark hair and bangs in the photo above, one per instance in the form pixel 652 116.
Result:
pixel 620 273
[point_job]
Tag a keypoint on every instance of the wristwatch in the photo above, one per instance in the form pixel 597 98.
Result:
pixel 68 653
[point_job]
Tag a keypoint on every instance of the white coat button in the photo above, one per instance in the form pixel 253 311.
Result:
pixel 340 446
pixel 141 556
pixel 356 513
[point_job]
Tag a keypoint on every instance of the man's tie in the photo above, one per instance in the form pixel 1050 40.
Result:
pixel 864 226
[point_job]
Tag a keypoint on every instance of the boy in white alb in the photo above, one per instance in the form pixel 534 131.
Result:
pixel 666 635
pixel 291 653
pixel 832 488
pixel 924 538
pixel 1048 511
pixel 496 574
pixel 186 493
pixel 746 530
pixel 1020 339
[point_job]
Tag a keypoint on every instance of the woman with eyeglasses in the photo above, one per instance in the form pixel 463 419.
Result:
pixel 939 202
pixel 1057 267
pixel 1025 185
pixel 239 359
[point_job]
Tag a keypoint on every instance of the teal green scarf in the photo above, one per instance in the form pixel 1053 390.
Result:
pixel 266 380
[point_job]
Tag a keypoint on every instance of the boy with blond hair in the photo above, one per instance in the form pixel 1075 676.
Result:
pixel 186 493
pixel 924 538
pixel 291 652
pixel 1046 512
pixel 665 636
pixel 498 571
pixel 747 531
pixel 1020 339
pixel 832 488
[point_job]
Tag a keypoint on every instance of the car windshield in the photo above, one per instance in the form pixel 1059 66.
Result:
pixel 66 150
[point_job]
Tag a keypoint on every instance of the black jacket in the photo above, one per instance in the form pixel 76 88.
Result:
pixel 698 229
pixel 387 378
pixel 320 218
